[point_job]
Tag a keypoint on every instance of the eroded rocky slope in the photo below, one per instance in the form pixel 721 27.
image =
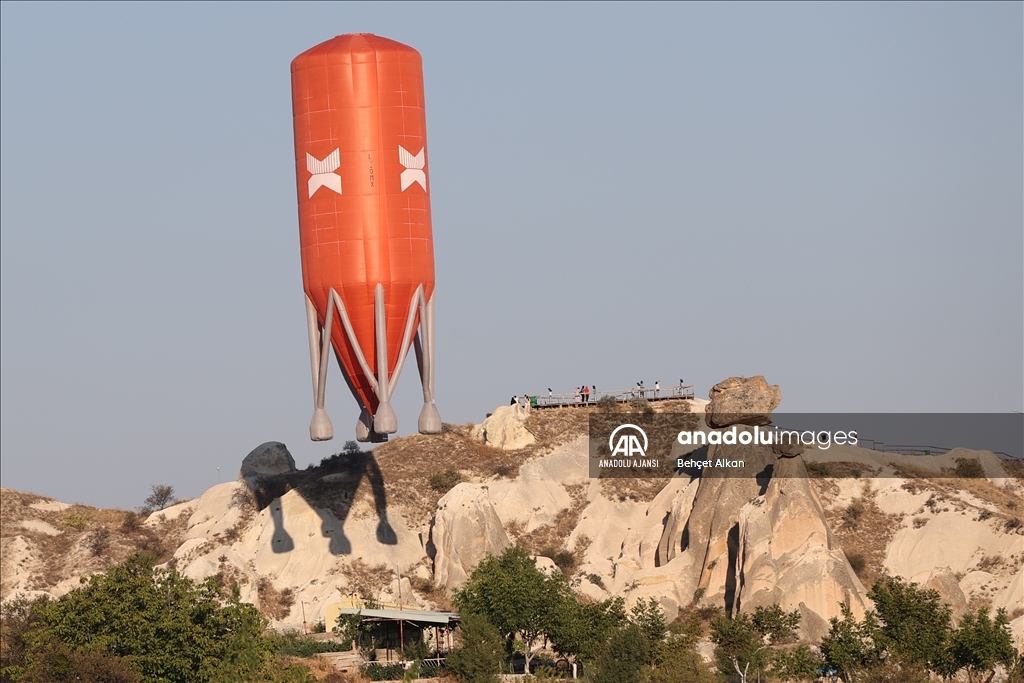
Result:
pixel 407 523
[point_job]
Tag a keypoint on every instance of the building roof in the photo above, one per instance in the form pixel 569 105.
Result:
pixel 415 616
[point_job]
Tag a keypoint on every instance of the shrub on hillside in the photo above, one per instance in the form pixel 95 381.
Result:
pixel 75 519
pixel 274 603
pixel 641 405
pixel 349 451
pixel 818 469
pixel 99 541
pixel 969 468
pixel 131 522
pixel 445 480
pixel 564 560
pixel 853 513
pixel 160 497
pixel 857 562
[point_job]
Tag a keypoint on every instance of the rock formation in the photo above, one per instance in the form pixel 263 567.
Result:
pixel 788 555
pixel 466 529
pixel 742 400
pixel 504 429
pixel 713 527
pixel 266 460
pixel 944 582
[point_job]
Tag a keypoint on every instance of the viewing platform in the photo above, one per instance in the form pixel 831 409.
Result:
pixel 572 400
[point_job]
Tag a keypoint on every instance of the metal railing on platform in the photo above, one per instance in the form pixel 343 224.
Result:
pixel 901 449
pixel 905 449
pixel 581 400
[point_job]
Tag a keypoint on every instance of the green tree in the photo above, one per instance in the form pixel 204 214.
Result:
pixel 776 625
pixel 580 630
pixel 738 645
pixel 849 647
pixel 915 623
pixel 688 628
pixel 894 672
pixel 978 644
pixel 648 616
pixel 349 627
pixel 160 497
pixel 798 664
pixel 1016 672
pixel 481 655
pixel 679 662
pixel 52 660
pixel 624 658
pixel 159 624
pixel 515 596
pixel 19 617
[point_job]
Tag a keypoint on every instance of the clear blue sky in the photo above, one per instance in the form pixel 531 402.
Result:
pixel 826 194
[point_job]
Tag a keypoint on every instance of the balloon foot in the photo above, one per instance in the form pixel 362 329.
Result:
pixel 320 428
pixel 430 420
pixel 384 420
pixel 364 425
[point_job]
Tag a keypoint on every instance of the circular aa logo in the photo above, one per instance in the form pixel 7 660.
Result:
pixel 628 443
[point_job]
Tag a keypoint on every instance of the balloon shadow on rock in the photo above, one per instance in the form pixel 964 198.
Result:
pixel 330 489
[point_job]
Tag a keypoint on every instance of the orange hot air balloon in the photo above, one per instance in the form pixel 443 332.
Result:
pixel 364 224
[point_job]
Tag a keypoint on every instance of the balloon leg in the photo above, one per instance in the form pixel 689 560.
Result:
pixel 320 427
pixel 429 421
pixel 364 426
pixel 384 419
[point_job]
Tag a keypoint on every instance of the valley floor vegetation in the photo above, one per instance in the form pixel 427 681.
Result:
pixel 138 623
pixel 141 623
pixel 517 617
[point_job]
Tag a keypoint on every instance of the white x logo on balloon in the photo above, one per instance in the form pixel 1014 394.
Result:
pixel 413 164
pixel 324 172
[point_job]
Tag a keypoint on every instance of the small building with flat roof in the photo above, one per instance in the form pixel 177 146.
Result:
pixel 392 630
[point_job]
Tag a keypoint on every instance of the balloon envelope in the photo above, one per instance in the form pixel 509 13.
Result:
pixel 362 181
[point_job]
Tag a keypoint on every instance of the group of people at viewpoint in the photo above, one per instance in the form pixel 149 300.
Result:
pixel 583 394
pixel 525 401
pixel 640 391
